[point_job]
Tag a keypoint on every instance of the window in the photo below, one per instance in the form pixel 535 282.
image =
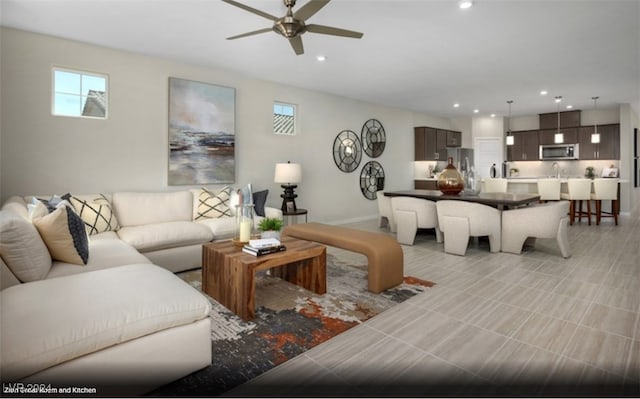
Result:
pixel 284 118
pixel 77 93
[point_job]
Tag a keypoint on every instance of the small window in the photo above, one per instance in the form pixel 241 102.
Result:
pixel 284 118
pixel 81 94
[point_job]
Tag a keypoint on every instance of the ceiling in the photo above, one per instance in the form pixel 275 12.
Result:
pixel 415 54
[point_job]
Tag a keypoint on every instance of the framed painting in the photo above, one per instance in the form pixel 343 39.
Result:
pixel 201 133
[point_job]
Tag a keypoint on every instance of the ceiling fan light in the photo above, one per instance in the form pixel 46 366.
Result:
pixel 558 138
pixel 595 138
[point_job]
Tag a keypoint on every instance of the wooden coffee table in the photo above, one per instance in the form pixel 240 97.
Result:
pixel 228 274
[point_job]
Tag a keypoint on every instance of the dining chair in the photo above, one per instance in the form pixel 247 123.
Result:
pixel 549 189
pixel 496 185
pixel 385 213
pixel 411 214
pixel 459 220
pixel 578 190
pixel 605 189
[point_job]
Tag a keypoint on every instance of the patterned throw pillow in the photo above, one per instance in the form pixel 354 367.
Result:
pixel 64 234
pixel 97 215
pixel 213 205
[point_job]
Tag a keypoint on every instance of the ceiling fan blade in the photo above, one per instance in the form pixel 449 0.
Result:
pixel 328 30
pixel 255 32
pixel 296 43
pixel 309 9
pixel 251 9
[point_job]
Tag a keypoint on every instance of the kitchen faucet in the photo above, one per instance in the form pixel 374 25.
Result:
pixel 555 169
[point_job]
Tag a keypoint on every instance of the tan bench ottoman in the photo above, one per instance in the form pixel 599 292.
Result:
pixel 386 260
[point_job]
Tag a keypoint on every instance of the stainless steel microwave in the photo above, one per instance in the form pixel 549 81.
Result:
pixel 553 152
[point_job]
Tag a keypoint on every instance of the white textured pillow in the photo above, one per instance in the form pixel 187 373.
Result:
pixel 64 234
pixel 22 248
pixel 97 214
pixel 213 205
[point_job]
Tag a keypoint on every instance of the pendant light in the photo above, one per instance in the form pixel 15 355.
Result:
pixel 558 138
pixel 509 138
pixel 595 136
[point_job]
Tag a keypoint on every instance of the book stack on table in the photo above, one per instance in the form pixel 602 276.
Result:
pixel 263 246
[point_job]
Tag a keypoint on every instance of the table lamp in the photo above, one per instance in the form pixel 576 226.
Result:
pixel 288 175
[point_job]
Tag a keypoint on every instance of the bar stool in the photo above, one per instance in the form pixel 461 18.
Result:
pixel 549 189
pixel 605 189
pixel 495 186
pixel 578 190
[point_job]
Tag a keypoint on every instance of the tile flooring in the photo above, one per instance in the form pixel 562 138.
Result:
pixel 495 324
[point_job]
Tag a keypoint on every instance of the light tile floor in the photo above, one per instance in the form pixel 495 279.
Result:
pixel 495 324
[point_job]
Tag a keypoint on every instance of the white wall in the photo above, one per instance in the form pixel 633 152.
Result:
pixel 43 154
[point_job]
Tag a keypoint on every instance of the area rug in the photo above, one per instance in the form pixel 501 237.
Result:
pixel 289 321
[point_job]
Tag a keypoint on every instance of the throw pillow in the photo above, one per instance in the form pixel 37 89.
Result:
pixel 64 234
pixel 37 209
pixel 22 248
pixel 97 215
pixel 55 200
pixel 213 205
pixel 259 200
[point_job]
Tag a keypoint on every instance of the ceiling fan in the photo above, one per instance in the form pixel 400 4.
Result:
pixel 292 25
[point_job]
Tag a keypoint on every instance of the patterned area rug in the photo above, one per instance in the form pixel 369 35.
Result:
pixel 289 321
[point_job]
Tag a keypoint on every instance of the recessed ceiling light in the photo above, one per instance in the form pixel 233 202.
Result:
pixel 464 4
pixel 569 106
pixel 475 111
pixel 321 58
pixel 493 115
pixel 544 92
pixel 456 105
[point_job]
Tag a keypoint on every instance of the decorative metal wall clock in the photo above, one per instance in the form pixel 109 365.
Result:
pixel 373 138
pixel 347 151
pixel 371 179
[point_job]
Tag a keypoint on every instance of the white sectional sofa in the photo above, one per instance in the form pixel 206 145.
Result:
pixel 122 322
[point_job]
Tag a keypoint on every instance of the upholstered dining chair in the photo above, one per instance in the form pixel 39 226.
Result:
pixel 411 214
pixel 549 189
pixel 385 213
pixel 459 220
pixel 540 221
pixel 495 185
pixel 605 189
pixel 578 190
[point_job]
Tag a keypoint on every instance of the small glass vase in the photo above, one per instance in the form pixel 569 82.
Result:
pixel 450 181
pixel 244 224
pixel 471 185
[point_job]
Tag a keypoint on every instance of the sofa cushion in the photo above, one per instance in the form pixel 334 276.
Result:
pixel 220 227
pixel 97 214
pixel 64 234
pixel 105 253
pixel 213 205
pixel 22 248
pixel 49 322
pixel 259 201
pixel 138 209
pixel 157 236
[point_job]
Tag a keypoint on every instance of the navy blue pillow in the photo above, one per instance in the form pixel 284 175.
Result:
pixel 259 199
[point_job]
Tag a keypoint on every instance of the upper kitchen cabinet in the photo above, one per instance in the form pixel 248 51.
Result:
pixel 547 136
pixel 454 139
pixel 567 119
pixel 609 146
pixel 525 146
pixel 431 143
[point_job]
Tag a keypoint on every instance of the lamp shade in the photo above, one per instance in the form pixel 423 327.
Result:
pixel 288 173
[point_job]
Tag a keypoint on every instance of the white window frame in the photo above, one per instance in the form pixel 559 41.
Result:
pixel 79 94
pixel 295 118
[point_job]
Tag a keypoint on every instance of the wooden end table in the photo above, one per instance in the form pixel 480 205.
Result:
pixel 228 274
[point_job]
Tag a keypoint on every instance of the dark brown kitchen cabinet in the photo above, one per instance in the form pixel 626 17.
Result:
pixel 609 146
pixel 425 184
pixel 430 144
pixel 525 146
pixel 454 139
pixel 567 119
pixel 547 136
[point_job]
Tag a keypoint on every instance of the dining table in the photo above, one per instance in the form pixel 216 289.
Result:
pixel 498 200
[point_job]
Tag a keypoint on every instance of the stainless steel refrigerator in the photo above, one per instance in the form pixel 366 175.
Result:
pixel 462 158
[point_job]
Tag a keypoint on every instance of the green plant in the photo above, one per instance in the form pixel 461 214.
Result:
pixel 270 224
pixel 436 168
pixel 589 172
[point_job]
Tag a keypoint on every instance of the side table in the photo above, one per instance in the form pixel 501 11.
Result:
pixel 296 213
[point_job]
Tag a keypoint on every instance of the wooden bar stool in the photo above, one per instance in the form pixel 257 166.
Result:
pixel 549 189
pixel 578 190
pixel 605 189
